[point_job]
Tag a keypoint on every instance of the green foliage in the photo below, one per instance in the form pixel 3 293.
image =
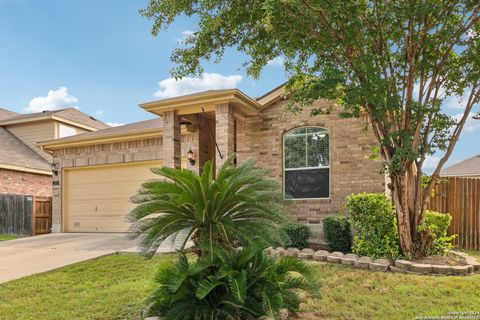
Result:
pixel 373 219
pixel 296 235
pixel 231 284
pixel 435 226
pixel 398 61
pixel 241 204
pixel 337 232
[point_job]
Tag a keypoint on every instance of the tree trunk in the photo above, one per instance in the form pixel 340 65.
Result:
pixel 409 201
pixel 399 198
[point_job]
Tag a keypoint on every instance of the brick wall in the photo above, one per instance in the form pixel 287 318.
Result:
pixel 261 137
pixel 18 182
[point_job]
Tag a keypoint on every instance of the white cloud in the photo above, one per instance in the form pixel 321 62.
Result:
pixel 457 102
pixel 185 35
pixel 276 62
pixel 55 99
pixel 431 162
pixel 471 125
pixel 209 81
pixel 115 124
pixel 99 112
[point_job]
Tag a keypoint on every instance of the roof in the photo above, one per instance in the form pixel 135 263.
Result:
pixel 272 96
pixel 193 103
pixel 16 155
pixel 467 168
pixel 70 116
pixel 4 114
pixel 147 128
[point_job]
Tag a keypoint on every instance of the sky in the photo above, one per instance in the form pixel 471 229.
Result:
pixel 100 57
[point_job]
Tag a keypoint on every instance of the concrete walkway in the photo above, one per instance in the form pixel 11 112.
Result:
pixel 23 257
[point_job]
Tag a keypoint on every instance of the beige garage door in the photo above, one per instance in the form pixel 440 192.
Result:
pixel 97 198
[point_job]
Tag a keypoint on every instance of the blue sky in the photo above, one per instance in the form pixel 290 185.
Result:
pixel 101 57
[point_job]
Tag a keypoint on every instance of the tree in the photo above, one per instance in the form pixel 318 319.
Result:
pixel 239 206
pixel 395 60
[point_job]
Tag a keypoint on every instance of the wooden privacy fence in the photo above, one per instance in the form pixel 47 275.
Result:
pixel 25 215
pixel 461 198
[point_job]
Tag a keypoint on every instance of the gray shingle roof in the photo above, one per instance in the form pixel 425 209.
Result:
pixel 14 152
pixel 70 114
pixel 132 128
pixel 467 168
pixel 5 114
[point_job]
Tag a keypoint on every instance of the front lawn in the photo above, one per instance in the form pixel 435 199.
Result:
pixel 115 287
pixel 5 237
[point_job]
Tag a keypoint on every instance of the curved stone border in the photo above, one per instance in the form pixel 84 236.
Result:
pixel 381 265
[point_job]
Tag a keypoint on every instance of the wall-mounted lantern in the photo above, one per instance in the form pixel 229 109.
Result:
pixel 190 157
pixel 55 169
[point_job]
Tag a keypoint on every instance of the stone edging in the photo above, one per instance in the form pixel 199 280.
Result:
pixel 383 265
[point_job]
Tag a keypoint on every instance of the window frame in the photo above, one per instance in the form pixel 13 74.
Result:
pixel 284 169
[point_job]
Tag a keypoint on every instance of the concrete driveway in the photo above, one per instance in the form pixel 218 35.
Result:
pixel 23 257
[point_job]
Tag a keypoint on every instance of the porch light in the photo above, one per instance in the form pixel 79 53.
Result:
pixel 190 157
pixel 55 168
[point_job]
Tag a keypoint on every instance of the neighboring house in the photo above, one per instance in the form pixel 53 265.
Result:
pixel 318 161
pixel 467 168
pixel 24 167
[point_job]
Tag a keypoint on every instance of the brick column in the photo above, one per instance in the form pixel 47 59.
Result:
pixel 171 140
pixel 224 132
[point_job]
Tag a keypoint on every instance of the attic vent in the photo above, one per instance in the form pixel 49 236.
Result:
pixel 93 118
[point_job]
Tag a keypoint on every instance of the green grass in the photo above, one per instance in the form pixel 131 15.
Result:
pixel 115 287
pixel 5 237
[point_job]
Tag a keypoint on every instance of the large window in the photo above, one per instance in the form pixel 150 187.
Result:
pixel 307 166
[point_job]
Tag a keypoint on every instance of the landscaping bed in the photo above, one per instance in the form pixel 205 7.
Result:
pixel 455 263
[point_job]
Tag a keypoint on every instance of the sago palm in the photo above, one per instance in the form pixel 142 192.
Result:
pixel 239 205
pixel 239 284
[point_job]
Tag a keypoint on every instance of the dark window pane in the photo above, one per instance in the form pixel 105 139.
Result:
pixel 302 184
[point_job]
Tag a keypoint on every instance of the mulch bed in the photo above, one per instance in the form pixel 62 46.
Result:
pixel 448 260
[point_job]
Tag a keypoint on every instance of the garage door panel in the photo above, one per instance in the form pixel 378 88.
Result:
pixel 98 199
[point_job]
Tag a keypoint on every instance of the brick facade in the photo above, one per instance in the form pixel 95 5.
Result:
pixel 261 137
pixel 19 182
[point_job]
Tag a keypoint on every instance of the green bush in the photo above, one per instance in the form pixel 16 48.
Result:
pixel 296 235
pixel 373 218
pixel 337 232
pixel 231 284
pixel 435 226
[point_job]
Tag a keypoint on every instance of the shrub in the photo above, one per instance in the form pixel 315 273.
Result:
pixel 296 235
pixel 435 226
pixel 337 232
pixel 373 219
pixel 239 204
pixel 233 284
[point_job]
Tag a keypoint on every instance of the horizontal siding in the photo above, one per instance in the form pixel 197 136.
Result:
pixel 33 133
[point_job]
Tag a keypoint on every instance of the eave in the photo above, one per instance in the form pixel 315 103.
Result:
pixel 111 138
pixel 193 103
pixel 25 169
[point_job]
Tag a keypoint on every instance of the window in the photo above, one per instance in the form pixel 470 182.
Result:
pixel 66 131
pixel 306 163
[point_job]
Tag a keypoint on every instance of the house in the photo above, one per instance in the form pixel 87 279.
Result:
pixel 25 168
pixel 467 168
pixel 317 160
